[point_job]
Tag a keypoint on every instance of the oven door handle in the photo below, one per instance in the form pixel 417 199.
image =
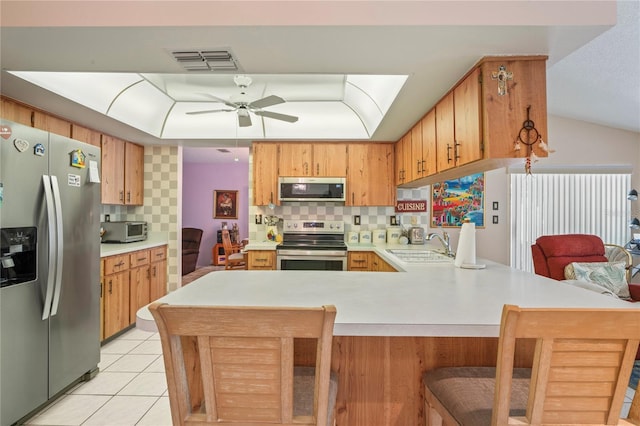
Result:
pixel 295 254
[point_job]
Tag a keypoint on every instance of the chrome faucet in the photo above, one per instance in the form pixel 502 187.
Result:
pixel 444 239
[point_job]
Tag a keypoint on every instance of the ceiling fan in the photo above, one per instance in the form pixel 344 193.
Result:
pixel 243 107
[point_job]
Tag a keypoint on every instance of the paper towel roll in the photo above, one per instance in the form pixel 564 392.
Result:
pixel 466 253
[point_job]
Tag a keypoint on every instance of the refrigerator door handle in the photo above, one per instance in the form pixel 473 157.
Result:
pixel 59 245
pixel 48 196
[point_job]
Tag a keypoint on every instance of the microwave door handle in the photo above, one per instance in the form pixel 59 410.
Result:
pixel 60 245
pixel 48 197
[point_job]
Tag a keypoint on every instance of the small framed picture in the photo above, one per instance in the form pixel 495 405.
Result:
pixel 225 204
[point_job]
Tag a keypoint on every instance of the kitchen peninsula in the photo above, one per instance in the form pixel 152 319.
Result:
pixel 392 326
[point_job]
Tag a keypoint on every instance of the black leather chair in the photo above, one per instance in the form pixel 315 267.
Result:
pixel 191 238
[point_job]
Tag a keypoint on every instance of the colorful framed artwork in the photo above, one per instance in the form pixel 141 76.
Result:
pixel 225 204
pixel 453 201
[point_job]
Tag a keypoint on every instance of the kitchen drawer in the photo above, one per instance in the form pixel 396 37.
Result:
pixel 158 253
pixel 139 258
pixel 262 259
pixel 359 261
pixel 115 264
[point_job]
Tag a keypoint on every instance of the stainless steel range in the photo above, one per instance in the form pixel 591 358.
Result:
pixel 316 245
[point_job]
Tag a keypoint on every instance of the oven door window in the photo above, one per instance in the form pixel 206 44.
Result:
pixel 311 264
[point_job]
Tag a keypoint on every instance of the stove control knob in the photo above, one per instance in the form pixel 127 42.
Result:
pixel 295 225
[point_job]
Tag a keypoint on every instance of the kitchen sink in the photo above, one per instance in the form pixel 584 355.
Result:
pixel 420 256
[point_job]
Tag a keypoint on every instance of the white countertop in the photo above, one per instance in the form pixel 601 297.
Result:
pixel 154 239
pixel 427 300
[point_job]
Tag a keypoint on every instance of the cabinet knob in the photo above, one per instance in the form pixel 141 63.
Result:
pixel 128 196
pixel 110 285
pixel 448 153
pixel 455 150
pixel 122 196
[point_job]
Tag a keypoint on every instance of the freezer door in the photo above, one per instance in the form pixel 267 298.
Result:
pixel 23 333
pixel 75 321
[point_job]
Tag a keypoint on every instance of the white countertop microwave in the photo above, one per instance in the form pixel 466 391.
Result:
pixel 312 189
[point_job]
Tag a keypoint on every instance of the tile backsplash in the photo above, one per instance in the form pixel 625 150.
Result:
pixel 370 217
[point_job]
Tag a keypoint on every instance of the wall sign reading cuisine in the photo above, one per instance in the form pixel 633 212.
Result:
pixel 455 200
pixel 411 206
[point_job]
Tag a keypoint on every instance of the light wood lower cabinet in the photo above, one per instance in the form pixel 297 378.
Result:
pixel 158 273
pixel 116 294
pixel 129 282
pixel 262 260
pixel 367 261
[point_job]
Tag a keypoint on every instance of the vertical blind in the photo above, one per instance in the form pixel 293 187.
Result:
pixel 548 204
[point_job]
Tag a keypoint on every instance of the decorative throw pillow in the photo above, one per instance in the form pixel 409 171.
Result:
pixel 610 275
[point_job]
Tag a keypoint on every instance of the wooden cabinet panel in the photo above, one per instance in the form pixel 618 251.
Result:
pixel 134 174
pixel 16 112
pixel 505 115
pixel 51 124
pixel 330 159
pixel 112 170
pixel 139 258
pixel 86 135
pixel 122 172
pixel 378 264
pixel 445 133
pixel 265 173
pixel 358 261
pixel 158 273
pixel 468 130
pixel 416 160
pixel 116 302
pixel 428 127
pixel 115 264
pixel 261 259
pixel 370 175
pixel 139 282
pixel 296 159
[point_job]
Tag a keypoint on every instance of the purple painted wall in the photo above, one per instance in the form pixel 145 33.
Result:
pixel 199 180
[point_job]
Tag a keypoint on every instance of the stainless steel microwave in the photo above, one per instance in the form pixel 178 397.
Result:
pixel 124 232
pixel 312 189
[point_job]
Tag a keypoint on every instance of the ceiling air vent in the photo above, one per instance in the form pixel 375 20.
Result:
pixel 206 60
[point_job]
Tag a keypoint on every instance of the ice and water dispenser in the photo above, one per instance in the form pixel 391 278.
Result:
pixel 18 251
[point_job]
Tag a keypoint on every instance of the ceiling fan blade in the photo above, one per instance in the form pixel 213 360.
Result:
pixel 224 101
pixel 266 102
pixel 244 120
pixel 277 116
pixel 209 111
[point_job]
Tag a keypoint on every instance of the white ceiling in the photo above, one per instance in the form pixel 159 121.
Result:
pixel 593 67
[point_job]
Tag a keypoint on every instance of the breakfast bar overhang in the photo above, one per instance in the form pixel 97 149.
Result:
pixel 391 327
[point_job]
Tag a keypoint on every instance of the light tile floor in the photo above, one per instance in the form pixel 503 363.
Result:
pixel 130 389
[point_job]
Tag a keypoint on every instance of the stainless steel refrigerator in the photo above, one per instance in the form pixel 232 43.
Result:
pixel 50 266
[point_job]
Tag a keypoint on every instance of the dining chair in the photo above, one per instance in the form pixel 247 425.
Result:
pixel 581 367
pixel 234 258
pixel 230 366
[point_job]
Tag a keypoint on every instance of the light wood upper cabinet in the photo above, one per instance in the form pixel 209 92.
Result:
pixel 84 134
pixel 112 170
pixel 122 172
pixel 370 178
pixel 429 157
pixel 445 133
pixel 134 174
pixel 312 159
pixel 51 124
pixel 468 121
pixel 402 154
pixel 330 159
pixel 296 159
pixel 265 173
pixel 16 112
pixel 472 128
pixel 416 160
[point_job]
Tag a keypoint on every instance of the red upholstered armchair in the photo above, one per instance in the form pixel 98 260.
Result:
pixel 551 253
